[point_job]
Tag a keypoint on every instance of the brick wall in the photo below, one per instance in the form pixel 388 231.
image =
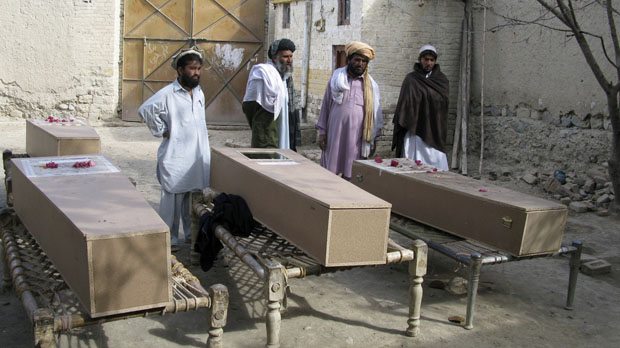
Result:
pixel 60 58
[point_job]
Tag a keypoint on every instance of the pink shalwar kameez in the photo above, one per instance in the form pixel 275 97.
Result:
pixel 343 124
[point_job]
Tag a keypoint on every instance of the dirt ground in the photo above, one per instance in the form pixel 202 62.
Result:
pixel 519 304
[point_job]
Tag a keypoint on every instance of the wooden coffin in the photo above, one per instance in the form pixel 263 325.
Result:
pixel 331 220
pixel 45 138
pixel 106 241
pixel 507 220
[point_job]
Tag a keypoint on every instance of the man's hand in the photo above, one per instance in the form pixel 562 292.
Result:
pixel 323 142
pixel 166 135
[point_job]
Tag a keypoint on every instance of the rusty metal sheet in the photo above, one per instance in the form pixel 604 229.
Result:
pixel 230 32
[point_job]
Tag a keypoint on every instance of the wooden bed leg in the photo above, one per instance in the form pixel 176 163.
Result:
pixel 218 313
pixel 6 162
pixel 7 281
pixel 43 325
pixel 274 292
pixel 575 261
pixel 417 270
pixel 472 289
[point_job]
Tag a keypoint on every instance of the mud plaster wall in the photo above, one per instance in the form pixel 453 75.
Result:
pixel 543 106
pixel 531 69
pixel 59 58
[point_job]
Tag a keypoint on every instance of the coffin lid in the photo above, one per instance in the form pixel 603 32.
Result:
pixel 306 177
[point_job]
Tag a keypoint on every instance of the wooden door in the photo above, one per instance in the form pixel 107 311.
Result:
pixel 231 33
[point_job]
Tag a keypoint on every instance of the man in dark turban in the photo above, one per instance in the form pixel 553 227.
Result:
pixel 269 102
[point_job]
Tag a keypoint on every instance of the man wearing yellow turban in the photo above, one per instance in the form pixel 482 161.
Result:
pixel 350 120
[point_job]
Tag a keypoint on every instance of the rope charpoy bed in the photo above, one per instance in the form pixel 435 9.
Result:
pixel 274 260
pixel 53 307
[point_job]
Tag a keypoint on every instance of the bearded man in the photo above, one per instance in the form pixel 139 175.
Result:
pixel 351 119
pixel 269 103
pixel 177 113
pixel 421 117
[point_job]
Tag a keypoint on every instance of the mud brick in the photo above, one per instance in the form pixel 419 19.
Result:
pixel 595 267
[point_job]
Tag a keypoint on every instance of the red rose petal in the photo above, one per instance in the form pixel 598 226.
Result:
pixel 394 163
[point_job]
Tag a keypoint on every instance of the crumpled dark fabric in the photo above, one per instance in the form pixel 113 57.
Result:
pixel 294 116
pixel 230 211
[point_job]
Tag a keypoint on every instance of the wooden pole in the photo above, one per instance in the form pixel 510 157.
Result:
pixel 484 40
pixel 459 110
pixel 465 96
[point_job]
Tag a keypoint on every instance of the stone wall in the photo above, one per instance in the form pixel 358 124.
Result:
pixel 60 58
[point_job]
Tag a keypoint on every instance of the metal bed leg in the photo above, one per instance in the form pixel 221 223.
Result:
pixel 417 269
pixel 472 291
pixel 43 326
pixel 274 290
pixel 575 260
pixel 218 313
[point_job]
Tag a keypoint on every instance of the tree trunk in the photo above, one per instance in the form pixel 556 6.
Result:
pixel 614 160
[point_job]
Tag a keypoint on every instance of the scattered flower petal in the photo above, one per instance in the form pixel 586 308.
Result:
pixel 85 164
pixel 394 163
pixel 483 190
pixel 378 160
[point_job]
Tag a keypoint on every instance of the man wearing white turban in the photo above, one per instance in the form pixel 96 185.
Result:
pixel 351 119
pixel 421 116
pixel 176 113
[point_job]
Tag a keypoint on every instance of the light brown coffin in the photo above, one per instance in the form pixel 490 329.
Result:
pixel 60 140
pixel 503 219
pixel 106 241
pixel 327 217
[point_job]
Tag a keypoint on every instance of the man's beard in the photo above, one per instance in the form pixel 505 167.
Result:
pixel 355 71
pixel 189 81
pixel 284 69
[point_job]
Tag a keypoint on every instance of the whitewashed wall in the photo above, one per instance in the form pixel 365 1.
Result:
pixel 59 58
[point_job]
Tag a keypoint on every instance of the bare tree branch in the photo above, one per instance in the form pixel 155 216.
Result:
pixel 614 35
pixel 605 6
pixel 555 11
pixel 583 43
pixel 518 22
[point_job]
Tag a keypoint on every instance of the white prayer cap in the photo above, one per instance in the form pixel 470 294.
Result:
pixel 192 50
pixel 428 48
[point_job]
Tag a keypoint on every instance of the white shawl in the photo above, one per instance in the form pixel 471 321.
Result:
pixel 271 95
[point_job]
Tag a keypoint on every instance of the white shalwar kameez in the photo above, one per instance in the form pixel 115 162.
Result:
pixel 184 158
pixel 415 148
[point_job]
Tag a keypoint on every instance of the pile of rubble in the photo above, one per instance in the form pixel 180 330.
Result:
pixel 591 191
